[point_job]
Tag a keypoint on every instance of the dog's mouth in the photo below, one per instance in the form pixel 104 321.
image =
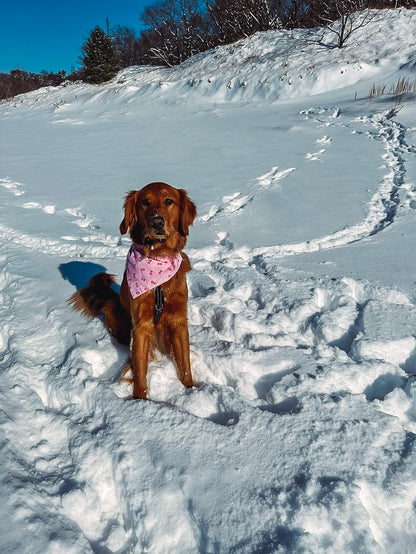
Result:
pixel 149 240
pixel 157 234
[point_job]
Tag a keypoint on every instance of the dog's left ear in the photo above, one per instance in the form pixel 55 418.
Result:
pixel 187 213
pixel 130 215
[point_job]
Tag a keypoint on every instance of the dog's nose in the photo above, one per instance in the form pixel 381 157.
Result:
pixel 157 223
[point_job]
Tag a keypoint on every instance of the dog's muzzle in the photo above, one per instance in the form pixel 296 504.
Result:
pixel 157 224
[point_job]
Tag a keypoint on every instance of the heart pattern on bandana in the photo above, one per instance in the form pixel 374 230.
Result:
pixel 145 273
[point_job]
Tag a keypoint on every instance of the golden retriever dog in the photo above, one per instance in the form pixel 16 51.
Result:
pixel 151 308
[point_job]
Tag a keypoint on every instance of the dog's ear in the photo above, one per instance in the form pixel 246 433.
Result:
pixel 187 213
pixel 130 214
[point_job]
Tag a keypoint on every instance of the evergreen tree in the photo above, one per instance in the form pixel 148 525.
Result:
pixel 100 61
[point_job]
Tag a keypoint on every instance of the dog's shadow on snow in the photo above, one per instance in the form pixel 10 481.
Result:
pixel 79 273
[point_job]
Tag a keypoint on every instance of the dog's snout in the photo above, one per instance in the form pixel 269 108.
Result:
pixel 157 223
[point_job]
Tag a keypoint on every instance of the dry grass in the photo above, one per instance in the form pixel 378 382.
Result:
pixel 398 90
pixel 403 86
pixel 376 90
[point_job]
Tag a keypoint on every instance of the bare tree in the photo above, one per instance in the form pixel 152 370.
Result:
pixel 175 31
pixel 126 45
pixel 235 19
pixel 341 17
pixel 296 13
pixel 381 4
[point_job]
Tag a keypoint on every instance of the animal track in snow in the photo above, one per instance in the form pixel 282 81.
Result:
pixel 315 156
pixel 384 203
pixel 324 116
pixel 230 204
pixel 92 243
pixel 274 176
pixel 253 317
pixel 48 209
pixel 81 219
pixel 324 140
pixel 13 186
pixel 98 246
pixel 329 320
pixel 235 202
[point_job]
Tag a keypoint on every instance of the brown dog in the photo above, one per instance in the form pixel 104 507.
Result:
pixel 158 218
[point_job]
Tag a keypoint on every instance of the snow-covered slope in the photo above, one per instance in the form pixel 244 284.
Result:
pixel 300 433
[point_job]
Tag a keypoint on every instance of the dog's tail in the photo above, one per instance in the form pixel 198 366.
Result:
pixel 99 299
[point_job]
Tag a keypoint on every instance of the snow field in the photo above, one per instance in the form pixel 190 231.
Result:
pixel 300 433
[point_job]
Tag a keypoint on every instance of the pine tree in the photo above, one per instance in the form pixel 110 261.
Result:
pixel 100 62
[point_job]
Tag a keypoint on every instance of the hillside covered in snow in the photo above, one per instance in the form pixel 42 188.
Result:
pixel 299 436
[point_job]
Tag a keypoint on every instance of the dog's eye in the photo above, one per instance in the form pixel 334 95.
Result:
pixel 145 202
pixel 168 201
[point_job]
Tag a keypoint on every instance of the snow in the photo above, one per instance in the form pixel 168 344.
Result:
pixel 300 433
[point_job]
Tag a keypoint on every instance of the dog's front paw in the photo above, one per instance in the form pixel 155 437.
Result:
pixel 139 393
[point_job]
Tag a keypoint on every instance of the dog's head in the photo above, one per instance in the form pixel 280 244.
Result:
pixel 158 217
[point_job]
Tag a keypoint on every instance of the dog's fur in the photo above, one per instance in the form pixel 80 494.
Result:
pixel 158 219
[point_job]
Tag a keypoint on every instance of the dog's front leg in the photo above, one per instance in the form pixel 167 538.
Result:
pixel 140 359
pixel 180 345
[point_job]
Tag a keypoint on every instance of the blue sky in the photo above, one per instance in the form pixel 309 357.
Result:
pixel 49 34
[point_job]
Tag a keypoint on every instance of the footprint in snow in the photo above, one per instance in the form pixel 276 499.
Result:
pixel 48 209
pixel 238 201
pixel 324 140
pixel 315 156
pixel 13 186
pixel 230 204
pixel 274 176
pixel 81 219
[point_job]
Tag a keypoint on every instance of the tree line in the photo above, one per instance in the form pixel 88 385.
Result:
pixel 19 81
pixel 174 30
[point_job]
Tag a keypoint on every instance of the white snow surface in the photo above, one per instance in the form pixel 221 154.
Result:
pixel 299 435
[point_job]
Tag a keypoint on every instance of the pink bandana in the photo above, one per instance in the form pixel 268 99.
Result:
pixel 145 273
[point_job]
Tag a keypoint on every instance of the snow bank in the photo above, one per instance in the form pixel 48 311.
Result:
pixel 267 66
